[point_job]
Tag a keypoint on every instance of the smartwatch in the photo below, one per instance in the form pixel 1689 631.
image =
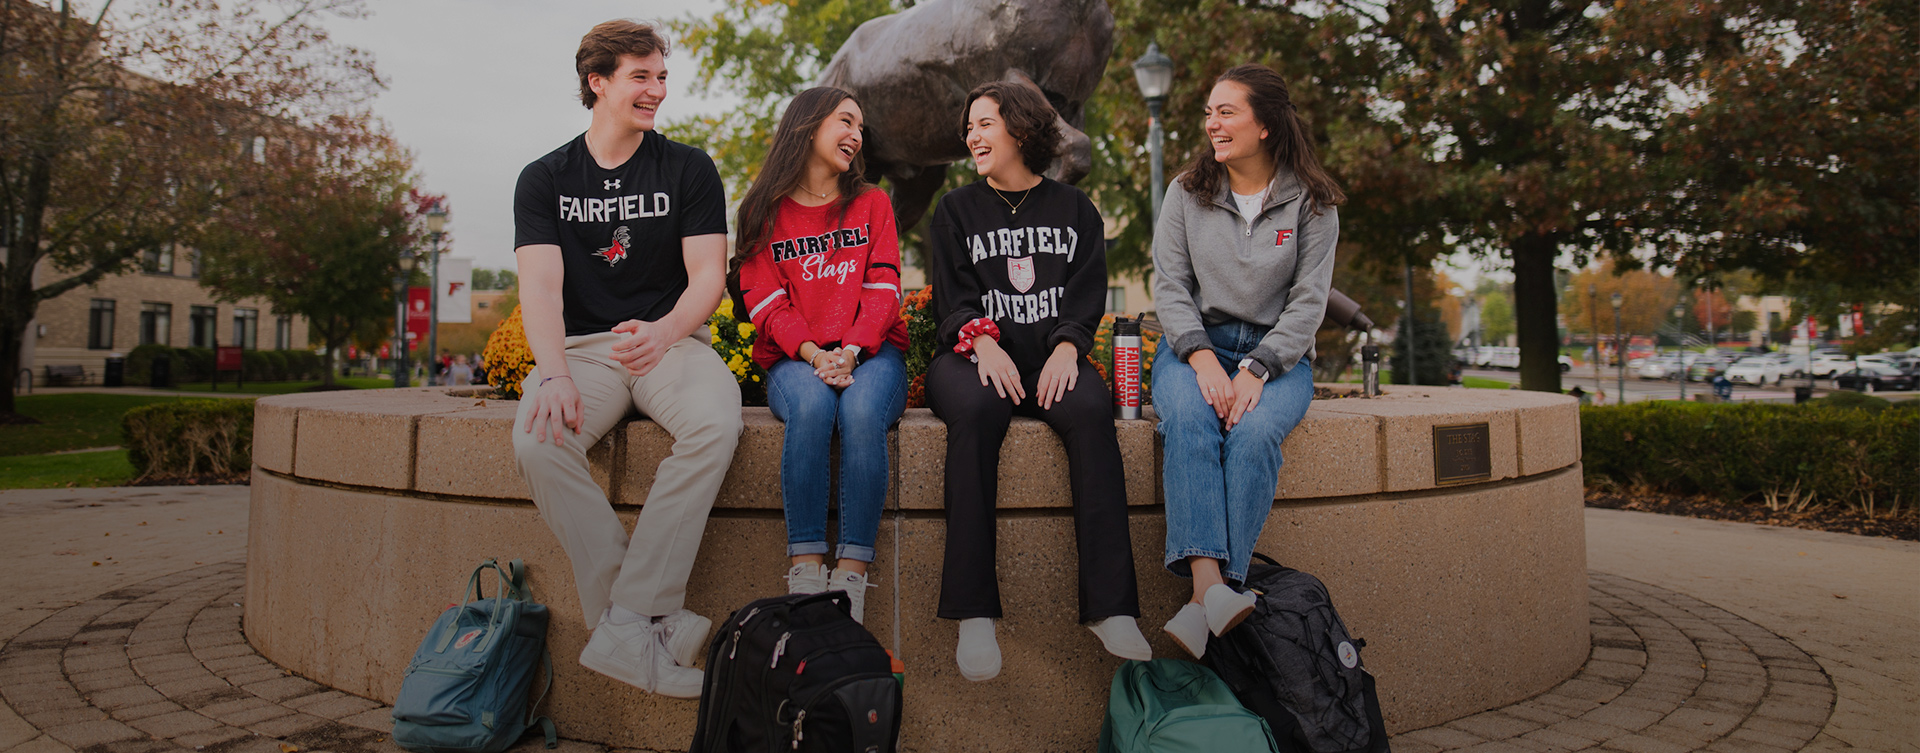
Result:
pixel 1256 368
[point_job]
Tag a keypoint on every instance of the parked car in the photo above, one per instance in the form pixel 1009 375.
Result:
pixel 1899 361
pixel 1707 366
pixel 1666 366
pixel 1755 370
pixel 1873 378
pixel 1566 364
pixel 1828 364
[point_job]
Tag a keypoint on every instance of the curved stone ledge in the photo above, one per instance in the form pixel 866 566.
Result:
pixel 369 509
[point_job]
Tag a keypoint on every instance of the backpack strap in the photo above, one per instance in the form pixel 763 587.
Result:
pixel 520 590
pixel 533 709
pixel 1266 559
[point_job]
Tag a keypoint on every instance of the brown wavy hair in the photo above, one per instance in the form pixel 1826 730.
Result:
pixel 786 165
pixel 1029 118
pixel 1286 142
pixel 601 48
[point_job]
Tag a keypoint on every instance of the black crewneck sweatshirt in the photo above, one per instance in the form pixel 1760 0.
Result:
pixel 1040 273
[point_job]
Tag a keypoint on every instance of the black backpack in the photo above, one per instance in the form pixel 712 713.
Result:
pixel 796 673
pixel 1293 663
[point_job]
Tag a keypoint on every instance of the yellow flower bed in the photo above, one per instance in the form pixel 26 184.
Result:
pixel 507 356
pixel 509 360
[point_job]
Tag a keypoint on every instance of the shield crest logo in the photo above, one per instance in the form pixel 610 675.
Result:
pixel 1020 273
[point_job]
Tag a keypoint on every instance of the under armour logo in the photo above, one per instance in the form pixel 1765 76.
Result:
pixel 610 185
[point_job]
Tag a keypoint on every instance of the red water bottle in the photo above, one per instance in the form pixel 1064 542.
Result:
pixel 1126 368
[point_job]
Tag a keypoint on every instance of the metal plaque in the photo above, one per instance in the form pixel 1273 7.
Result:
pixel 1461 454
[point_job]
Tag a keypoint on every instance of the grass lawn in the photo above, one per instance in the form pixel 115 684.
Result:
pixel 73 421
pixel 1484 383
pixel 282 388
pixel 103 468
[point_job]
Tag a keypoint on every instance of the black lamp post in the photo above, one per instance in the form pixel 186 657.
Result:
pixel 1679 315
pixel 400 321
pixel 1153 72
pixel 436 226
pixel 1619 351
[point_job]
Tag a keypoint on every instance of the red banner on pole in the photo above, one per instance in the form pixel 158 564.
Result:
pixel 419 299
pixel 226 358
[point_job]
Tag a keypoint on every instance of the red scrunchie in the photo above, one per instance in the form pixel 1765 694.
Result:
pixel 973 329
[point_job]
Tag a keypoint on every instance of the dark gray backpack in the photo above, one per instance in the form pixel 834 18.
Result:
pixel 1293 663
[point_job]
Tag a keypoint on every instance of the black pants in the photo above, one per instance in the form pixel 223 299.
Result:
pixel 977 420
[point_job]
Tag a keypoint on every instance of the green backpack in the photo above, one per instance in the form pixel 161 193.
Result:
pixel 1172 706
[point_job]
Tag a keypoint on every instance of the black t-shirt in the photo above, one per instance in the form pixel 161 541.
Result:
pixel 1039 273
pixel 619 230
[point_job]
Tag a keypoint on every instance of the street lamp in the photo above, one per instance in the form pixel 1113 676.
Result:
pixel 400 321
pixel 1593 328
pixel 1619 351
pixel 436 225
pixel 1153 72
pixel 1679 316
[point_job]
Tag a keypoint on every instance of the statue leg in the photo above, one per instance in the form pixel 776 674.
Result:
pixel 913 194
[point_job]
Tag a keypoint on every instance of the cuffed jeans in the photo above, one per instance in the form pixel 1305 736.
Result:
pixel 977 419
pixel 861 414
pixel 689 393
pixel 1219 484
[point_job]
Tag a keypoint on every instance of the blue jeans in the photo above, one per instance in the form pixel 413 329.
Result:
pixel 1219 484
pixel 861 413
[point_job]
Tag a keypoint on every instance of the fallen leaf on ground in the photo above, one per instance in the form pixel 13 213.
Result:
pixel 143 522
pixel 289 748
pixel 96 564
pixel 1838 596
pixel 66 551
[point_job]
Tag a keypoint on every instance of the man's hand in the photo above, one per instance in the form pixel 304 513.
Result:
pixel 1246 394
pixel 556 407
pixel 1059 375
pixel 644 344
pixel 1215 387
pixel 835 367
pixel 997 369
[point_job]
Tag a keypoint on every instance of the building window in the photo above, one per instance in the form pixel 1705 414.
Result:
pixel 156 324
pixel 193 263
pixel 100 325
pixel 283 333
pixel 158 260
pixel 246 328
pixel 1116 299
pixel 480 304
pixel 204 319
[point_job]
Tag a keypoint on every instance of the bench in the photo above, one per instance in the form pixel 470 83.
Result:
pixel 69 372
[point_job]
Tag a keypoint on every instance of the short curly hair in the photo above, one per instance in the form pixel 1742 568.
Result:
pixel 1029 119
pixel 601 48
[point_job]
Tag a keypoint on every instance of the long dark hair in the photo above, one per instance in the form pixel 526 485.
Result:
pixel 1286 140
pixel 786 165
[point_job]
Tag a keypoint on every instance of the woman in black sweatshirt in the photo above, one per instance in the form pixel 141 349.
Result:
pixel 1019 272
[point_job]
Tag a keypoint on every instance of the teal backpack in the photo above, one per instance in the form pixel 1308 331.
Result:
pixel 1172 706
pixel 466 689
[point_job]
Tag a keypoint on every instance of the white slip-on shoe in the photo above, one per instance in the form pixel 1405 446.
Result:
pixel 635 654
pixel 856 585
pixel 977 653
pixel 1226 608
pixel 1120 634
pixel 1189 629
pixel 807 578
pixel 685 633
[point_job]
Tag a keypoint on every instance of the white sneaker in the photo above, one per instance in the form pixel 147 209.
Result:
pixel 1120 634
pixel 685 632
pixel 856 585
pixel 807 578
pixel 977 653
pixel 635 654
pixel 1189 629
pixel 1226 608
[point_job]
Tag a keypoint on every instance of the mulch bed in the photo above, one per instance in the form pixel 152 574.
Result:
pixel 203 480
pixel 1903 525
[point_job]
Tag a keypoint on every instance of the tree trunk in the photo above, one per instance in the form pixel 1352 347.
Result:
pixel 1535 312
pixel 10 338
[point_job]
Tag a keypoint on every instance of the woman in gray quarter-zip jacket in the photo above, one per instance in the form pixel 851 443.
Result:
pixel 1243 259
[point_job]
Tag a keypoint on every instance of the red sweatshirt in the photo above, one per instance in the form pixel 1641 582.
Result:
pixel 827 278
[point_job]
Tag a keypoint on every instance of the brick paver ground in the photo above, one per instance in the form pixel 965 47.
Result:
pixel 162 666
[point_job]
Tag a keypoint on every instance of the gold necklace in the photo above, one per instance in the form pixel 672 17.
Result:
pixel 1010 205
pixel 823 196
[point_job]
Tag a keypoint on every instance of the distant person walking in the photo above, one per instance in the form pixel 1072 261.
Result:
pixel 460 374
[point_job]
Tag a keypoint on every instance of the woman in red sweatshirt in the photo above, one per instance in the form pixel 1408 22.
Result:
pixel 819 268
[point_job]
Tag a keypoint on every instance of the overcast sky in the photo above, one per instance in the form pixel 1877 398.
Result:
pixel 480 88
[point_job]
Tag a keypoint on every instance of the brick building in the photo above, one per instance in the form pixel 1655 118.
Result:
pixel 162 303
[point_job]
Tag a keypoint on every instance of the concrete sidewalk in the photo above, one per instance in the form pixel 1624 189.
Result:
pixel 169 561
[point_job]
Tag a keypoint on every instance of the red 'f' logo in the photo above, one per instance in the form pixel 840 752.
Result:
pixel 1281 238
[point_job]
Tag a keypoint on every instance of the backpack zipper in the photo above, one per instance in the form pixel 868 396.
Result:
pixel 797 734
pixel 778 649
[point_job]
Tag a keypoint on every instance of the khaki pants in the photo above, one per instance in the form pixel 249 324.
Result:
pixel 694 397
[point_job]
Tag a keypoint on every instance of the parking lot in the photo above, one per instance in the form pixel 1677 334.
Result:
pixel 1652 389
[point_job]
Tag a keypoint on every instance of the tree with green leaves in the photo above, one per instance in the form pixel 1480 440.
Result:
pixel 121 130
pixel 322 236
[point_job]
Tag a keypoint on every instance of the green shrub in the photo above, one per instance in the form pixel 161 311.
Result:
pixel 254 366
pixel 304 365
pixel 140 363
pixel 1738 451
pixel 189 438
pixel 1854 400
pixel 192 365
pixel 276 365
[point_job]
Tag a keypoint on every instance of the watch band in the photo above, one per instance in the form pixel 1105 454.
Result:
pixel 1255 368
pixel 854 351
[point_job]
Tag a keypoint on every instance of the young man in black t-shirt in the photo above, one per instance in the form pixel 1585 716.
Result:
pixel 621 239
